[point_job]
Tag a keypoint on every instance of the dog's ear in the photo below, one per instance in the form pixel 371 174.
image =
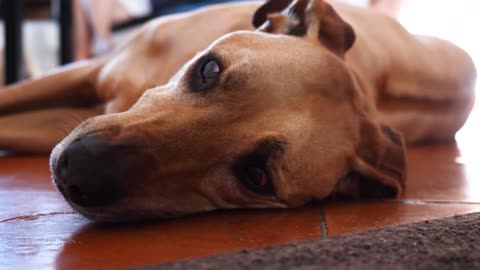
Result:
pixel 313 19
pixel 378 168
pixel 271 6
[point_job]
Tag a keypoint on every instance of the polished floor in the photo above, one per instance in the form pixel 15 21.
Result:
pixel 39 231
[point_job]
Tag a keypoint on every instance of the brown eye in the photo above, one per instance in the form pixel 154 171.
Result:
pixel 255 168
pixel 253 172
pixel 210 70
pixel 257 179
pixel 206 73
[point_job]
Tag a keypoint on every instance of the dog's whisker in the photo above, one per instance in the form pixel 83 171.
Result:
pixel 66 125
pixel 77 117
pixel 63 131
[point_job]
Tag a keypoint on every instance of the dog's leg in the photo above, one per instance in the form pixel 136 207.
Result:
pixel 429 92
pixel 70 87
pixel 39 131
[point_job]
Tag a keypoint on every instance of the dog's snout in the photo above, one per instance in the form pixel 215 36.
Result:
pixel 85 173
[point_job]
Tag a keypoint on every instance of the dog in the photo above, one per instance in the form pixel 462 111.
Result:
pixel 314 100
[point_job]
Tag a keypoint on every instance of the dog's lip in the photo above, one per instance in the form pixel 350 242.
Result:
pixel 97 214
pixel 104 214
pixel 124 218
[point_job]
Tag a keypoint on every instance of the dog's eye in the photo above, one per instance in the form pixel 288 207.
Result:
pixel 252 172
pixel 206 73
pixel 255 169
pixel 210 70
pixel 257 180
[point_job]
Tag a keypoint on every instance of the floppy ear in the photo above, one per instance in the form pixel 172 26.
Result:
pixel 312 19
pixel 271 6
pixel 378 168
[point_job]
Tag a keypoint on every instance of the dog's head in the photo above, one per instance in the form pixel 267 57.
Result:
pixel 272 118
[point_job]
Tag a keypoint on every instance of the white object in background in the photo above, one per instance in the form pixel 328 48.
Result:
pixel 362 3
pixel 137 8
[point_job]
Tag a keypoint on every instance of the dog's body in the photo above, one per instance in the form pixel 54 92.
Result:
pixel 420 86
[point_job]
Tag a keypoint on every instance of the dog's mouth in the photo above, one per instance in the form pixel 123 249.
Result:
pixel 120 214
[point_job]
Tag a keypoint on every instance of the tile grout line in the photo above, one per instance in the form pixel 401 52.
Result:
pixel 323 222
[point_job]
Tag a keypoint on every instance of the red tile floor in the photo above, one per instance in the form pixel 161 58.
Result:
pixel 38 230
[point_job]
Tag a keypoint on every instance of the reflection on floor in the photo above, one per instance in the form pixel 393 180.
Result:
pixel 39 231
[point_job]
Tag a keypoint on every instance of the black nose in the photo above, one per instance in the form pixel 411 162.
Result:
pixel 87 172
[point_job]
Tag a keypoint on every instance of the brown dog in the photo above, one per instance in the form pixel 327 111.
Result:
pixel 303 108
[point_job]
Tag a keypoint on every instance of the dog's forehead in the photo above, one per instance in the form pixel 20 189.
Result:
pixel 264 44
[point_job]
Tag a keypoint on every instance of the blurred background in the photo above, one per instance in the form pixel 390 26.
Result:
pixel 98 26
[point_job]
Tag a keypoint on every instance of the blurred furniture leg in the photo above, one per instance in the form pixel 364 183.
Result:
pixel 13 10
pixel 66 30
